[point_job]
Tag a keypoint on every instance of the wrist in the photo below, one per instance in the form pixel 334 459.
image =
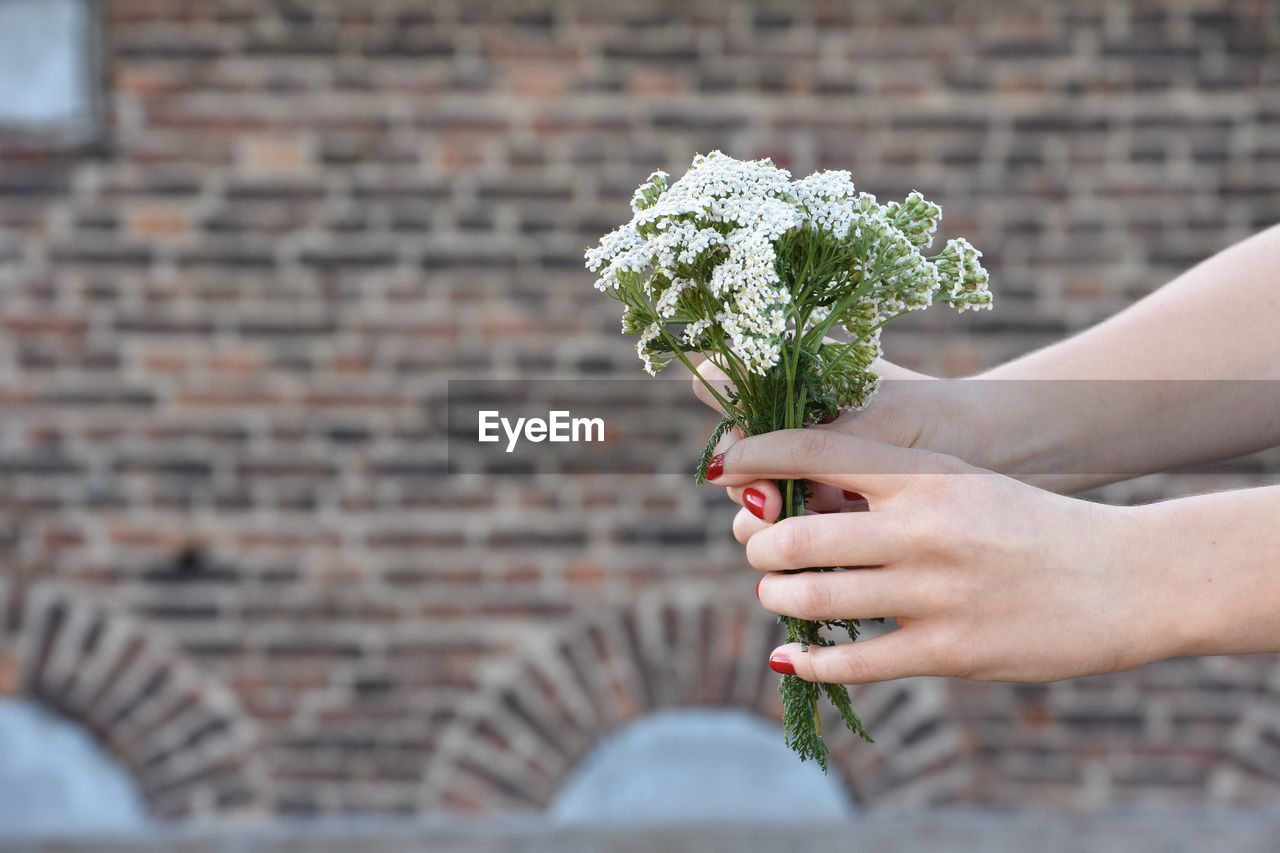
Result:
pixel 1171 615
pixel 1006 428
pixel 1043 432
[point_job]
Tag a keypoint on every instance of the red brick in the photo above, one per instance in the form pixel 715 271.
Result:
pixel 158 223
pixel 276 156
pixel 653 81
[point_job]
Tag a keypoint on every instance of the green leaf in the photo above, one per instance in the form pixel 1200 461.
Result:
pixel 800 719
pixel 709 450
pixel 846 371
pixel 838 695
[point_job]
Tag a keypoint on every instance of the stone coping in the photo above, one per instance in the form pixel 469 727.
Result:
pixel 939 830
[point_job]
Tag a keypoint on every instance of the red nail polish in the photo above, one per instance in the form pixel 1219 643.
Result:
pixel 754 500
pixel 715 466
pixel 851 496
pixel 781 664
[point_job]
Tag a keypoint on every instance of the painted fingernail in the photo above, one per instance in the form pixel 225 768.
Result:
pixel 715 466
pixel 851 496
pixel 754 499
pixel 781 664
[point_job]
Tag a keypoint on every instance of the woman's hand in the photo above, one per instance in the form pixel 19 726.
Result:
pixel 987 577
pixel 938 415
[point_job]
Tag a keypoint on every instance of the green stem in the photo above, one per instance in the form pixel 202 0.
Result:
pixel 730 411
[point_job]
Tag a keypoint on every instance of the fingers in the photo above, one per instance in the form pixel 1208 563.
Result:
pixel 818 541
pixel 888 370
pixel 762 499
pixel 825 455
pixel 708 373
pixel 851 594
pixel 746 525
pixel 898 654
pixel 822 498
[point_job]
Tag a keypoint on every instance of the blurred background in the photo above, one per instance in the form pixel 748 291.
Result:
pixel 245 243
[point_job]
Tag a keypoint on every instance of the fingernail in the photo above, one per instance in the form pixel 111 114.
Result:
pixel 851 496
pixel 781 664
pixel 715 466
pixel 758 587
pixel 754 499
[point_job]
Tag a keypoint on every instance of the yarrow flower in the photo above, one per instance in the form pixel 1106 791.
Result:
pixel 739 262
pixel 735 257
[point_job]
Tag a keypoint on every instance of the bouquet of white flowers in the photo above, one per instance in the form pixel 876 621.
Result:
pixel 739 262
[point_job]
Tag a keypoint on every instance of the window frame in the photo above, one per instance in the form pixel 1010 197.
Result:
pixel 84 131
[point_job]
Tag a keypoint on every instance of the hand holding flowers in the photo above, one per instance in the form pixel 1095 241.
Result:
pixel 987 577
pixel 741 263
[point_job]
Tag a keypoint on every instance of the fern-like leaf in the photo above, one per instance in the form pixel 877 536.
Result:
pixel 700 476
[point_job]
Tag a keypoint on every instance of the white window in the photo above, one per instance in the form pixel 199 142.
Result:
pixel 47 65
pixel 698 765
pixel 55 780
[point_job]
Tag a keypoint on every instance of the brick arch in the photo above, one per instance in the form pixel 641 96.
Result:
pixel 182 734
pixel 515 743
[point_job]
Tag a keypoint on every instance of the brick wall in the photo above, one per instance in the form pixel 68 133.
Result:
pixel 228 321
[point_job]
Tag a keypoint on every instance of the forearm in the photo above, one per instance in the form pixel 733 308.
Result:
pixel 1196 356
pixel 1209 569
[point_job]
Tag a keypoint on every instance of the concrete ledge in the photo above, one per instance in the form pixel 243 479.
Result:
pixel 953 830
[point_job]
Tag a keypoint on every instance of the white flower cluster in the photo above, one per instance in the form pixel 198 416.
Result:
pixel 827 199
pixel 741 255
pixel 964 278
pixel 652 362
